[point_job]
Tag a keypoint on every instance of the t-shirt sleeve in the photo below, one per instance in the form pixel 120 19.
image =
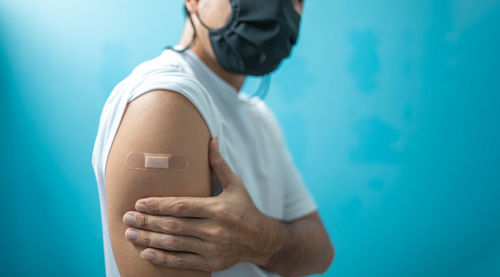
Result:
pixel 298 200
pixel 186 85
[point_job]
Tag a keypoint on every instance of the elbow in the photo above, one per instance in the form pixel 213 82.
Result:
pixel 329 255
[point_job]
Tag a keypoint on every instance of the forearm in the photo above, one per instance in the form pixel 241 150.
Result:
pixel 298 248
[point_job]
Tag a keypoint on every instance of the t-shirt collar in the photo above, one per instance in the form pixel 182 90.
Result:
pixel 211 80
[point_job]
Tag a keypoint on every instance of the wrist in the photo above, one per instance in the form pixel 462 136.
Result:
pixel 273 243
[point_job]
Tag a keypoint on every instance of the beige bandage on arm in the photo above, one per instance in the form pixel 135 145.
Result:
pixel 149 161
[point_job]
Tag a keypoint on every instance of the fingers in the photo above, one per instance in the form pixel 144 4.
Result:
pixel 199 207
pixel 189 261
pixel 222 170
pixel 165 241
pixel 169 225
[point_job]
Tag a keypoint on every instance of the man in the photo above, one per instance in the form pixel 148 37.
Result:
pixel 194 177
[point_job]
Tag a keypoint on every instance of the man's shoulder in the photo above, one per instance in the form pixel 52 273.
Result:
pixel 168 72
pixel 167 61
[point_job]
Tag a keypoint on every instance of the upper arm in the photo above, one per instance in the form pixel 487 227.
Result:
pixel 163 122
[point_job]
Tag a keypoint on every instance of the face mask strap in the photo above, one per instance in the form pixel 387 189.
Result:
pixel 202 23
pixel 193 39
pixel 263 89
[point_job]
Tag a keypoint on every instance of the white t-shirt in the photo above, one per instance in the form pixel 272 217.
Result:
pixel 250 140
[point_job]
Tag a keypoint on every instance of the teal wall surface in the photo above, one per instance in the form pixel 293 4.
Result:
pixel 390 108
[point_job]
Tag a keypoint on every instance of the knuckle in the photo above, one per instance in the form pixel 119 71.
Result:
pixel 220 208
pixel 170 242
pixel 171 225
pixel 210 248
pixel 165 260
pixel 165 242
pixel 217 233
pixel 142 221
pixel 224 213
pixel 165 226
pixel 145 238
pixel 175 242
pixel 224 236
pixel 178 207
pixel 180 261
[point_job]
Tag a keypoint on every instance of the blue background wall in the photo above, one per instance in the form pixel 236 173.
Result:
pixel 390 108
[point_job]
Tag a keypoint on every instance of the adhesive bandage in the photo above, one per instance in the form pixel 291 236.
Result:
pixel 148 161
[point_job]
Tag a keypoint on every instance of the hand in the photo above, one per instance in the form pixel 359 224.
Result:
pixel 207 234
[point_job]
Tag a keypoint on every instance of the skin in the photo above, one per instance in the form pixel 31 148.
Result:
pixel 174 227
pixel 217 232
pixel 154 123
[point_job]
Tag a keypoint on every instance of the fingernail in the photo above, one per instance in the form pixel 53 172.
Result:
pixel 141 207
pixel 129 219
pixel 147 255
pixel 131 234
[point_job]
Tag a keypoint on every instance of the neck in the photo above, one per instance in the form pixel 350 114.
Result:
pixel 234 80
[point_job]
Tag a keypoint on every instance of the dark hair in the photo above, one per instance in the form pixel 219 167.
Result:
pixel 188 15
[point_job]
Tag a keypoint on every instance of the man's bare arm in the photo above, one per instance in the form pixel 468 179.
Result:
pixel 233 230
pixel 302 247
pixel 161 122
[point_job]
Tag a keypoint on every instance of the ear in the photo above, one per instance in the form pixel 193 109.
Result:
pixel 298 5
pixel 192 5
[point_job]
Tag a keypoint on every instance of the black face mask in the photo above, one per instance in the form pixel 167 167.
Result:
pixel 258 36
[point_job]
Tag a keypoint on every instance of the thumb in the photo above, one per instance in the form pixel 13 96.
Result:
pixel 222 170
